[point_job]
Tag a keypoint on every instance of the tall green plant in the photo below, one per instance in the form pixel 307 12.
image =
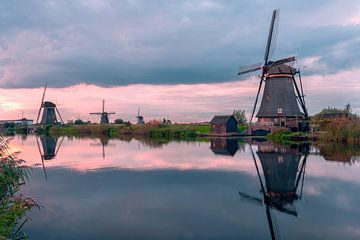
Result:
pixel 13 208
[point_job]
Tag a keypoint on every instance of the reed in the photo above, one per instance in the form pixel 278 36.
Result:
pixel 341 130
pixel 13 209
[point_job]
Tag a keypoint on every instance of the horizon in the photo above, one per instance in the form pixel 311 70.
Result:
pixel 174 60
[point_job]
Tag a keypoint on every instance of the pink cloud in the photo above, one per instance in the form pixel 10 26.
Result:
pixel 180 102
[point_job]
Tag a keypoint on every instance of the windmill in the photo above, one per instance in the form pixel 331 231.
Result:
pixel 140 119
pixel 104 119
pixel 283 169
pixel 50 113
pixel 283 102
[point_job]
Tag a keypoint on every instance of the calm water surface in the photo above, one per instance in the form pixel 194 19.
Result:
pixel 142 189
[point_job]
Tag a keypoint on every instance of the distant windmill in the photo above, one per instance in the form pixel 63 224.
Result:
pixel 104 119
pixel 140 119
pixel 50 113
pixel 282 95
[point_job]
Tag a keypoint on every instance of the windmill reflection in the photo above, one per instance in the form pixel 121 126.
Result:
pixel 283 169
pixel 224 146
pixel 104 141
pixel 48 148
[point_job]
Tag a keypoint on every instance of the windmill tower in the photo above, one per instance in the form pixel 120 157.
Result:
pixel 283 102
pixel 140 119
pixel 104 116
pixel 50 113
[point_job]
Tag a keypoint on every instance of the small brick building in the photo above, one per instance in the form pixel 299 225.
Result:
pixel 223 125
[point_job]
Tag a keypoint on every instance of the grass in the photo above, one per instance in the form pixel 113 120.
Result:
pixel 178 131
pixel 173 131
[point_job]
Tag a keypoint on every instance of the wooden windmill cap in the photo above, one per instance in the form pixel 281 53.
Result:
pixel 49 104
pixel 280 70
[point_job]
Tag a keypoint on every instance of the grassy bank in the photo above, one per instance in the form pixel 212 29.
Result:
pixel 340 130
pixel 179 131
pixel 286 136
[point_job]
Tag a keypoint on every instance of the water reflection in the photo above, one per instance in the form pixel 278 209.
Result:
pixel 48 149
pixel 161 189
pixel 224 146
pixel 347 154
pixel 282 168
pixel 49 146
pixel 103 142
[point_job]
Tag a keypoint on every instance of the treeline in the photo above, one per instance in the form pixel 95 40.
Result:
pixel 339 112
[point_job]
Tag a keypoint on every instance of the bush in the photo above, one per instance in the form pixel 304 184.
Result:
pixel 9 125
pixel 341 130
pixel 286 136
pixel 79 122
pixel 119 121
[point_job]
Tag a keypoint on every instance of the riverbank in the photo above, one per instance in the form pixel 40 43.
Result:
pixel 179 131
pixel 345 131
pixel 173 131
pixel 342 130
pixel 285 136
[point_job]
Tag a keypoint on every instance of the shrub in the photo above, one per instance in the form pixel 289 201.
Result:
pixel 79 122
pixel 13 208
pixel 119 121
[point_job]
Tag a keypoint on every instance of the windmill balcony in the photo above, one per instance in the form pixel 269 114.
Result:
pixel 262 124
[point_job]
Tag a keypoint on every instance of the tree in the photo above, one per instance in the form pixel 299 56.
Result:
pixel 347 109
pixel 119 121
pixel 79 122
pixel 240 116
pixel 9 125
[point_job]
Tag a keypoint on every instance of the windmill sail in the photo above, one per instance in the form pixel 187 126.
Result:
pixel 41 104
pixel 272 36
pixel 249 68
pixel 281 96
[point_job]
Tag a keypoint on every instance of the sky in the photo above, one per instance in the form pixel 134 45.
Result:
pixel 173 59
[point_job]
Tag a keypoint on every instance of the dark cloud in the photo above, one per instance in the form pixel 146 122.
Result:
pixel 123 42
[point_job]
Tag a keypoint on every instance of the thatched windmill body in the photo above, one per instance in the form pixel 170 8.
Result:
pixel 50 113
pixel 104 116
pixel 140 119
pixel 283 102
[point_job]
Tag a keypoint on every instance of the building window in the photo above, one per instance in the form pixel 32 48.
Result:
pixel 280 110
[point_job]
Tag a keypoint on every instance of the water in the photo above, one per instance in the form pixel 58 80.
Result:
pixel 143 189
